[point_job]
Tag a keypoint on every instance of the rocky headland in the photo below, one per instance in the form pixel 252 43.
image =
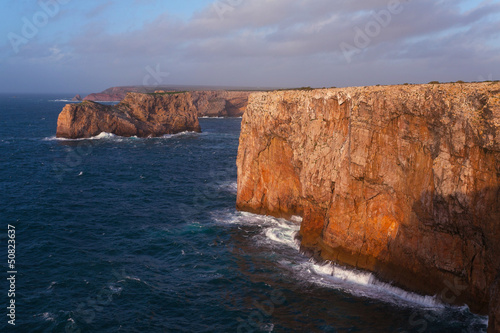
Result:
pixel 113 94
pixel 141 115
pixel 208 103
pixel 402 181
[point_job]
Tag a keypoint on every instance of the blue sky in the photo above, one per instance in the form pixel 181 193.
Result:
pixel 75 46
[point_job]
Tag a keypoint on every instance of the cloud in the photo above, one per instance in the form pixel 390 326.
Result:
pixel 288 28
pixel 297 42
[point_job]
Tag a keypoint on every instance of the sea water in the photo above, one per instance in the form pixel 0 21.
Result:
pixel 141 235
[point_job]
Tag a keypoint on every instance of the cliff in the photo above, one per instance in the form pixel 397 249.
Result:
pixel 220 103
pixel 141 115
pixel 114 94
pixel 209 103
pixel 402 181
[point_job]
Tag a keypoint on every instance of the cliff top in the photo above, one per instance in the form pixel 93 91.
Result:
pixel 452 88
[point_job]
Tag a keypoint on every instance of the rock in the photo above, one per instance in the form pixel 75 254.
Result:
pixel 77 98
pixel 402 181
pixel 142 115
pixel 209 103
pixel 494 320
pixel 113 94
pixel 220 103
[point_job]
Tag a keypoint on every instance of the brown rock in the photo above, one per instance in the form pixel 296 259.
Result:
pixel 220 103
pixel 114 94
pixel 209 103
pixel 402 181
pixel 77 98
pixel 141 115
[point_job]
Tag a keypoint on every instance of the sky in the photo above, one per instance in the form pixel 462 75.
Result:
pixel 76 46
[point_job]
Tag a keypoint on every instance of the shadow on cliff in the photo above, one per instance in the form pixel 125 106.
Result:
pixel 451 246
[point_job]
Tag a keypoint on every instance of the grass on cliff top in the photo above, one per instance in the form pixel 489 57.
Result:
pixel 301 88
pixel 167 93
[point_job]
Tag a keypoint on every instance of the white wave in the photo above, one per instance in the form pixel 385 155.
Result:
pixel 343 274
pixel 52 284
pixel 284 233
pixel 103 135
pixel 169 136
pixel 100 136
pixel 242 218
pixel 51 138
pixel 64 100
pixel 267 327
pixel 229 186
pixel 47 316
pixel 115 289
pixel 361 284
pixel 276 231
pixel 111 136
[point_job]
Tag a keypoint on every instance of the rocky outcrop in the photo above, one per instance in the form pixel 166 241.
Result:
pixel 220 103
pixel 142 115
pixel 402 181
pixel 113 94
pixel 209 103
pixel 77 98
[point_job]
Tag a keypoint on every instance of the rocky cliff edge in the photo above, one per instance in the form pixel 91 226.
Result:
pixel 402 181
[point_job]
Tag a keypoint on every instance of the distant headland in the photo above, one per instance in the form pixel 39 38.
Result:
pixel 209 101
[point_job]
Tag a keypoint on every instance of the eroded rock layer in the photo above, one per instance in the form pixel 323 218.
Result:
pixel 141 115
pixel 402 181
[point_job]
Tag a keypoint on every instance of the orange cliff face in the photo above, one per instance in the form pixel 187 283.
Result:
pixel 141 115
pixel 402 181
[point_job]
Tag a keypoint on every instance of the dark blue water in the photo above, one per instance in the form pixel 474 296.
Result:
pixel 141 235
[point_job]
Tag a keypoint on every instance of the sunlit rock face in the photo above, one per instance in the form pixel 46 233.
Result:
pixel 399 180
pixel 141 115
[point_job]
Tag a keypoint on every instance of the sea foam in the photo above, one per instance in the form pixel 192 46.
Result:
pixel 111 136
pixel 281 232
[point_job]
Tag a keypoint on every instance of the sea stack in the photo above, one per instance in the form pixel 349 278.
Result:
pixel 141 115
pixel 402 181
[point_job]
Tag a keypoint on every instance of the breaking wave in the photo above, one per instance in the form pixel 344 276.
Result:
pixel 111 136
pixel 280 232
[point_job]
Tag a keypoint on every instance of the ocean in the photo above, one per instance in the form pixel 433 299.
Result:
pixel 141 235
